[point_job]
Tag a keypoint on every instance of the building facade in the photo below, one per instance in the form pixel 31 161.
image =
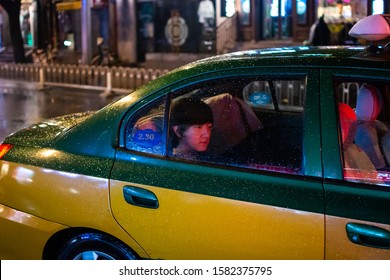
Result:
pixel 132 28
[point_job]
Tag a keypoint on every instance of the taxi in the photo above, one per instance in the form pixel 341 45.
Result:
pixel 294 163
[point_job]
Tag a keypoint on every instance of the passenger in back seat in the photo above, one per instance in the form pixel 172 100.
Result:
pixel 191 122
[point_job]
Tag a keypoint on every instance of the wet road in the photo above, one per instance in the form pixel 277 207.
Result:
pixel 20 107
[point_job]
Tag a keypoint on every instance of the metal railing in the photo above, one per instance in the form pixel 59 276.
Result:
pixel 103 78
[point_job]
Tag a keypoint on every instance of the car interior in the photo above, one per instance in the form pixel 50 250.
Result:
pixel 258 123
pixel 368 101
pixel 253 119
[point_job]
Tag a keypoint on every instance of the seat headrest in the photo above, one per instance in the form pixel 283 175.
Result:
pixel 369 103
pixel 229 127
pixel 347 119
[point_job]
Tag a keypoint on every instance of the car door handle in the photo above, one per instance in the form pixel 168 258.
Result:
pixel 367 235
pixel 140 197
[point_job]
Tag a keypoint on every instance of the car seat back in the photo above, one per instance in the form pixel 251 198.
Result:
pixel 357 165
pixel 233 119
pixel 368 107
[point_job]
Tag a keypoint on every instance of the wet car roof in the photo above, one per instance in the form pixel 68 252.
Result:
pixel 335 56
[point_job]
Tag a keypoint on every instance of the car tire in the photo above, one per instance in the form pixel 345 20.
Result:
pixel 95 246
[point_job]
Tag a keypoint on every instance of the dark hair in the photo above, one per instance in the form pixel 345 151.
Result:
pixel 191 111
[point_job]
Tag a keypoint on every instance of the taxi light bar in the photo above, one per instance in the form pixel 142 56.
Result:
pixel 4 148
pixel 372 28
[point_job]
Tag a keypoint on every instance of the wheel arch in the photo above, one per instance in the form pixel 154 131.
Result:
pixel 59 239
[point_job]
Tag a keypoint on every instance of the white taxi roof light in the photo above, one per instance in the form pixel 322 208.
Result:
pixel 372 28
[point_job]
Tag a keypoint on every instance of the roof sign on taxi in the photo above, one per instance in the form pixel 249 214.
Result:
pixel 372 28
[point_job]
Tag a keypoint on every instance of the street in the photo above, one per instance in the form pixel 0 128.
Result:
pixel 20 106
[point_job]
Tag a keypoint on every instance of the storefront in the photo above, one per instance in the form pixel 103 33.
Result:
pixel 266 19
pixel 341 15
pixel 283 19
pixel 28 17
pixel 348 10
pixel 177 26
pixel 68 21
pixel 133 28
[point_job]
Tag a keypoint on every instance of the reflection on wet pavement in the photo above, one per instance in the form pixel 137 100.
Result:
pixel 20 107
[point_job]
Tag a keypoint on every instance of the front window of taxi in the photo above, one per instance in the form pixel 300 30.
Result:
pixel 256 123
pixel 364 121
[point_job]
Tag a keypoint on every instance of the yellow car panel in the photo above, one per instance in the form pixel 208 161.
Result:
pixel 194 226
pixel 70 199
pixel 24 235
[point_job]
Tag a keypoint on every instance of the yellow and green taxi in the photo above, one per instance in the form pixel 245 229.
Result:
pixel 298 165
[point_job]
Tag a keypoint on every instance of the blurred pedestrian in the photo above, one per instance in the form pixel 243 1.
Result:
pixel 321 33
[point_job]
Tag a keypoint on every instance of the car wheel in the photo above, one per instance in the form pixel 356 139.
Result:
pixel 95 246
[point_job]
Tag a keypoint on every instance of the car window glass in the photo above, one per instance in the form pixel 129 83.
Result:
pixel 289 94
pixel 364 119
pixel 257 123
pixel 144 131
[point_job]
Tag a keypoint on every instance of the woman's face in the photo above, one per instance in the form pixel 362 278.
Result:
pixel 195 137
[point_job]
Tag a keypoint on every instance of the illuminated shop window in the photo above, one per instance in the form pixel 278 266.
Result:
pixel 275 8
pixel 245 12
pixel 227 8
pixel 337 11
pixel 302 11
pixel 377 7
